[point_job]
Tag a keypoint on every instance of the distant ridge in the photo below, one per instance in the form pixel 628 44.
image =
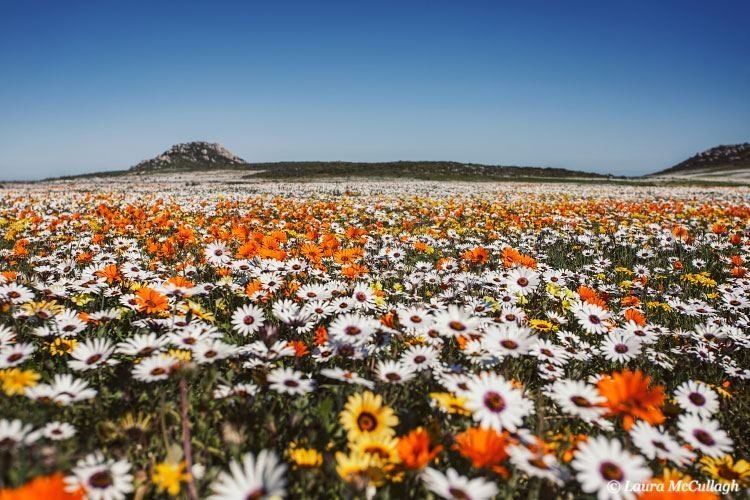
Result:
pixel 197 155
pixel 200 156
pixel 429 170
pixel 714 160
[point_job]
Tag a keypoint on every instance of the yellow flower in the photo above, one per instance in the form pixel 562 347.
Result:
pixel 193 307
pixel 42 309
pixel 359 468
pixel 543 325
pixel 450 403
pixel 382 448
pixel 181 354
pixel 81 299
pixel 135 426
pixel 168 476
pixel 16 381
pixel 305 458
pixel 725 469
pixel 61 347
pixel 701 279
pixel 365 416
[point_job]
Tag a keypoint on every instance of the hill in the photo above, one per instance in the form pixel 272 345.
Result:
pixel 715 161
pixel 432 170
pixel 203 156
pixel 196 155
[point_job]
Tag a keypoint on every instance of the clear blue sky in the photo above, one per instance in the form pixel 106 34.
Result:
pixel 622 87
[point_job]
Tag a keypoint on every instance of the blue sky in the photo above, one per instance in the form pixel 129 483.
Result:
pixel 621 87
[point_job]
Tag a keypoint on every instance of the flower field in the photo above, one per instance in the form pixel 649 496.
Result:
pixel 373 339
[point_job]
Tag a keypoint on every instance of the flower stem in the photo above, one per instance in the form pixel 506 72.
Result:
pixel 186 446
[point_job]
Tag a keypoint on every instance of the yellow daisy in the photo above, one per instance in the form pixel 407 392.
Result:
pixel 168 477
pixel 725 469
pixel 305 458
pixel 16 381
pixel 365 416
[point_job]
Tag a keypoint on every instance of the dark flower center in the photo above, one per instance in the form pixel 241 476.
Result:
pixel 697 399
pixel 458 493
pixel 494 402
pixel 101 479
pixel 581 402
pixel 352 330
pixel 457 325
pixel 704 437
pixel 93 359
pixel 367 421
pixel 611 471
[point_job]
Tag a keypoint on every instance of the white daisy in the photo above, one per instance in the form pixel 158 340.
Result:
pixel 452 485
pixel 92 354
pixel 495 403
pixel 697 397
pixel 100 478
pixel 579 399
pixel 289 381
pixel 600 461
pixel 704 435
pixel 248 319
pixel 261 477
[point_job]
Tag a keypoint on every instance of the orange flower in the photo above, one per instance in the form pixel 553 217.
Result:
pixel 180 281
pixel 84 257
pixel 321 335
pixel 311 252
pixel 248 250
pixel 630 301
pixel 416 450
pixel 43 487
pixel 484 447
pixel 628 394
pixel 512 257
pixel 664 492
pixel 253 287
pixel 738 272
pixel 354 271
pixel 635 316
pixel 110 272
pixel 348 255
pixel 590 296
pixel 476 255
pixel 420 246
pixel 681 232
pixel 150 301
pixel 300 349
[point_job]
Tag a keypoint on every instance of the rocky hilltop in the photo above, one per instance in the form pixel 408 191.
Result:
pixel 719 158
pixel 196 155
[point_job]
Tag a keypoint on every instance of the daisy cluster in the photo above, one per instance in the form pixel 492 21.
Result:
pixel 330 340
